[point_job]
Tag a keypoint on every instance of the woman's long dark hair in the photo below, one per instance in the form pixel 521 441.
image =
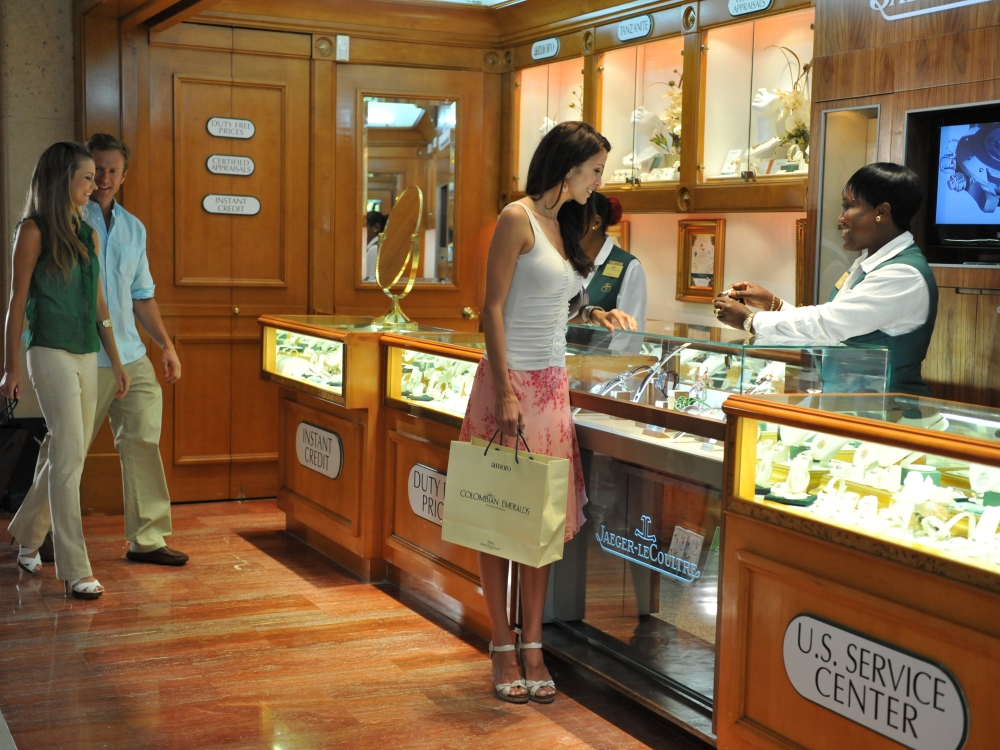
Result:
pixel 567 145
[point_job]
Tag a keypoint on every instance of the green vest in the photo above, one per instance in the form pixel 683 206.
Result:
pixel 908 350
pixel 63 314
pixel 603 290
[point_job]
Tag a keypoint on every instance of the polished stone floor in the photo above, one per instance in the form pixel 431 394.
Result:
pixel 261 642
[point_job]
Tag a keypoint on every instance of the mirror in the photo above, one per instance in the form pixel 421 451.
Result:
pixel 398 255
pixel 410 142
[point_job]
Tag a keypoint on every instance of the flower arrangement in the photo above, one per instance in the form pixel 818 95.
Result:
pixel 794 115
pixel 668 136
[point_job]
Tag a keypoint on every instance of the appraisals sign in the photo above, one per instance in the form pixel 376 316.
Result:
pixel 901 696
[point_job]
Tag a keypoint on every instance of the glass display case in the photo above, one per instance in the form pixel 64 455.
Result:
pixel 432 372
pixel 312 353
pixel 919 474
pixel 757 98
pixel 639 111
pixel 545 96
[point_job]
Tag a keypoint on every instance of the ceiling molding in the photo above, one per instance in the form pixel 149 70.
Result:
pixel 178 13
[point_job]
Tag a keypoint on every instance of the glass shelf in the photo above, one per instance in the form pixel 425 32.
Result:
pixel 757 97
pixel 913 497
pixel 640 111
pixel 547 95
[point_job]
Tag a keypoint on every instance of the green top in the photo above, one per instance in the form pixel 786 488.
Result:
pixel 63 314
pixel 909 349
pixel 604 288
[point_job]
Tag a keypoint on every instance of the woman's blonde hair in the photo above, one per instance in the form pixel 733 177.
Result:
pixel 50 204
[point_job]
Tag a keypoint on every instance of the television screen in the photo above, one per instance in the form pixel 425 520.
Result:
pixel 968 184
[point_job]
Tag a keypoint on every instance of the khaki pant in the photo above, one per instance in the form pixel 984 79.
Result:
pixel 135 423
pixel 66 385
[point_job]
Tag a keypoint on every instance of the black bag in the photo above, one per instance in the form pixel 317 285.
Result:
pixel 19 444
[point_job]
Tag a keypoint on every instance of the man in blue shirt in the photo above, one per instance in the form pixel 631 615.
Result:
pixel 135 419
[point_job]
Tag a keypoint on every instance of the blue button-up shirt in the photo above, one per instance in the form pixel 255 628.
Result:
pixel 124 276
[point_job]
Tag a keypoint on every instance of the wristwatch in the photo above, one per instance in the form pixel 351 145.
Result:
pixel 748 327
pixel 106 323
pixel 586 312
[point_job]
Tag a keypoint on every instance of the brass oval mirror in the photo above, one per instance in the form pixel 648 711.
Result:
pixel 399 254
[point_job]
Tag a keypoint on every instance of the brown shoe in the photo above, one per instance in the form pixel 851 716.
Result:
pixel 162 556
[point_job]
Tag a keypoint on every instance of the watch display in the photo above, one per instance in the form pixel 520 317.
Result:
pixel 438 382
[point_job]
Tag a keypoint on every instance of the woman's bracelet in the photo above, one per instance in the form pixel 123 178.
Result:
pixel 586 313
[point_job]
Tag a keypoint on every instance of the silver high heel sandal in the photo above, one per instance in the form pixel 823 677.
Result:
pixel 28 564
pixel 88 590
pixel 534 685
pixel 503 689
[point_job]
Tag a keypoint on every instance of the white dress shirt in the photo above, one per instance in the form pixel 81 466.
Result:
pixel 371 256
pixel 632 295
pixel 893 299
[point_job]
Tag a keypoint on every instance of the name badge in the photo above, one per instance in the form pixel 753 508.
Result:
pixel 613 269
pixel 840 281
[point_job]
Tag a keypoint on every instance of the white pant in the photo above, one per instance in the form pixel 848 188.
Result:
pixel 66 385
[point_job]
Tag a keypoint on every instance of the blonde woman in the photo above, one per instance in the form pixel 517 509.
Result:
pixel 55 282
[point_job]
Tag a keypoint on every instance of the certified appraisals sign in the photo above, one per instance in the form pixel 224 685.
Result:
pixel 901 696
pixel 635 28
pixel 543 49
pixel 426 491
pixel 240 205
pixel 242 166
pixel 228 127
pixel 319 450
pixel 742 7
pixel 679 560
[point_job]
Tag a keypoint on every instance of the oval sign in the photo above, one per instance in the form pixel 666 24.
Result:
pixel 742 7
pixel 237 165
pixel 426 491
pixel 543 49
pixel 908 699
pixel 319 450
pixel 635 28
pixel 228 127
pixel 241 205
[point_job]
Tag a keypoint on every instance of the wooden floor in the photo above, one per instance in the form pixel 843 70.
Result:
pixel 262 642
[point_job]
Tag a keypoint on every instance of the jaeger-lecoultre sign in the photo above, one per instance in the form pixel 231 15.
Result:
pixel 229 127
pixel 224 164
pixel 240 205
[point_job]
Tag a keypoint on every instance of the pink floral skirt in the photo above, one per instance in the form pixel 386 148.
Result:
pixel 548 424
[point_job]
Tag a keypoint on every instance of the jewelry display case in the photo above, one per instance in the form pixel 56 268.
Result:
pixel 869 521
pixel 757 98
pixel 545 95
pixel 639 111
pixel 635 593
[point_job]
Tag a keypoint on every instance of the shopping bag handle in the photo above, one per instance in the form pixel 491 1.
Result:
pixel 7 412
pixel 518 439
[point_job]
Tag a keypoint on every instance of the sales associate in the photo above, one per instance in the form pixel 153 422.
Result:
pixel 887 298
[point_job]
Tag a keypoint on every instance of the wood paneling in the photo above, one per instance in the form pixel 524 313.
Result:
pixel 849 74
pixel 321 195
pixel 949 369
pixel 987 349
pixel 945 60
pixel 773 575
pixel 340 497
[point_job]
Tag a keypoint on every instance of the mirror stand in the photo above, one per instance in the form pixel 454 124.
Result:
pixel 394 319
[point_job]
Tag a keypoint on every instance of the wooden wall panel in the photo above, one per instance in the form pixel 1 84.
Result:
pixel 321 198
pixel 987 350
pixel 254 423
pixel 847 27
pixel 100 71
pixel 202 407
pixel 950 367
pixel 945 60
pixel 863 72
pixel 940 96
pixel 340 497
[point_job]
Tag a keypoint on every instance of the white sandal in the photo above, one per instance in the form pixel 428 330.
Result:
pixel 28 564
pixel 535 685
pixel 503 689
pixel 88 590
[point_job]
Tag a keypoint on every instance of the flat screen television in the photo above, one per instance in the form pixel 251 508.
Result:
pixel 962 211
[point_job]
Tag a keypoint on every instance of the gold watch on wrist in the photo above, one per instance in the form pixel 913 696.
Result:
pixel 748 327
pixel 106 323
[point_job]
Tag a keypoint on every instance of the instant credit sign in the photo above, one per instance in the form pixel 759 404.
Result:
pixel 901 696
pixel 319 450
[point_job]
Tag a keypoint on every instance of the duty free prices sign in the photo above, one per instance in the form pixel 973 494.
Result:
pixel 904 697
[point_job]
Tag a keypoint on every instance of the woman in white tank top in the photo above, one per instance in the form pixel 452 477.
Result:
pixel 535 266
